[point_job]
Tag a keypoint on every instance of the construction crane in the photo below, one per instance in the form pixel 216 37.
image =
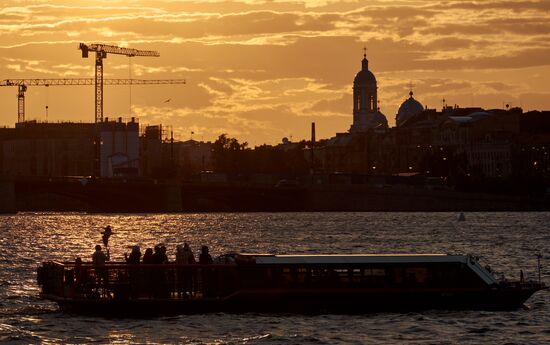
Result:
pixel 22 85
pixel 101 51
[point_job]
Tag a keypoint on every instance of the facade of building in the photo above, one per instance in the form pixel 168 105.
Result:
pixel 106 149
pixel 192 156
pixel 48 149
pixel 119 148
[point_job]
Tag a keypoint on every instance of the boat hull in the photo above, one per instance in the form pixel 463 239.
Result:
pixel 311 302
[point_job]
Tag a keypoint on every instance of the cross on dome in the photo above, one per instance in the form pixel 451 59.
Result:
pixel 365 62
pixel 411 85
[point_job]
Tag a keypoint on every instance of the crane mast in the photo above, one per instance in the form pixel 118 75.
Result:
pixel 21 102
pixel 101 51
pixel 22 85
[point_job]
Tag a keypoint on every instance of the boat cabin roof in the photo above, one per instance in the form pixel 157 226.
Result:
pixel 358 259
pixel 468 260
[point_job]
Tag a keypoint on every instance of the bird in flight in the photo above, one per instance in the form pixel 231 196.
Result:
pixel 168 100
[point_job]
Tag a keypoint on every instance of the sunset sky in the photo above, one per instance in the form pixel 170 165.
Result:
pixel 264 70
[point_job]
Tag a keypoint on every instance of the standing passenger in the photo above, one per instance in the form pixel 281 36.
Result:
pixel 134 257
pixel 156 258
pixel 147 272
pixel 148 256
pixel 98 261
pixel 80 276
pixel 163 256
pixel 134 273
pixel 204 257
pixel 158 276
pixel 206 273
pixel 184 256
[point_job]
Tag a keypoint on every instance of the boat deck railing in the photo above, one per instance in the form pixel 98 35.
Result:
pixel 143 281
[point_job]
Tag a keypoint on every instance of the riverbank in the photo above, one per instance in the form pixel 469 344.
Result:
pixel 139 195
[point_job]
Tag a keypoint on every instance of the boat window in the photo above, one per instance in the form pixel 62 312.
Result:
pixel 301 275
pixel 416 274
pixel 375 272
pixel 356 275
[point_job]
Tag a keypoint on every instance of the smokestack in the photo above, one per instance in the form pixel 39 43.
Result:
pixel 312 145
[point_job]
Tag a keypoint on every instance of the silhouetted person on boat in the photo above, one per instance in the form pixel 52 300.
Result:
pixel 134 273
pixel 135 256
pixel 78 269
pixel 184 256
pixel 158 276
pixel 163 256
pixel 106 235
pixel 204 257
pixel 148 256
pixel 159 256
pixel 206 273
pixel 79 276
pixel 98 262
pixel 147 272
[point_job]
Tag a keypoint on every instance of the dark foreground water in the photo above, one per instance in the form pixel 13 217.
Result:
pixel 507 241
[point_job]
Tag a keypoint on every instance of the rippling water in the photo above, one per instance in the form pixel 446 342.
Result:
pixel 507 241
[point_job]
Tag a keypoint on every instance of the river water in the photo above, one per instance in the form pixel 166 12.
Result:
pixel 507 241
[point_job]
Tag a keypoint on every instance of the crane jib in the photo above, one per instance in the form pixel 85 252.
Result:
pixel 101 53
pixel 104 48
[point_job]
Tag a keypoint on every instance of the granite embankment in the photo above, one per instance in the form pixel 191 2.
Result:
pixel 133 195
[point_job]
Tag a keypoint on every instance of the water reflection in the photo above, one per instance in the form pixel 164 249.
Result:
pixel 508 241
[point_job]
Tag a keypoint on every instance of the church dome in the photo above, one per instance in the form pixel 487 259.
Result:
pixel 364 76
pixel 378 121
pixel 408 109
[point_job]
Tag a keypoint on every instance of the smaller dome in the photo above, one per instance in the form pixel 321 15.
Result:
pixel 378 121
pixel 408 109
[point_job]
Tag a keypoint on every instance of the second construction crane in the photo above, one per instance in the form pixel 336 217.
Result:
pixel 22 85
pixel 101 51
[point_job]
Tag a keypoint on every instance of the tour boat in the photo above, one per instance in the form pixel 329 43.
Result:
pixel 283 283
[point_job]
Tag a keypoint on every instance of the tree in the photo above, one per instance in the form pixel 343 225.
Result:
pixel 227 154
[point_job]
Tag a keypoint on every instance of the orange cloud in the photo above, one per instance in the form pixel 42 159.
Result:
pixel 265 69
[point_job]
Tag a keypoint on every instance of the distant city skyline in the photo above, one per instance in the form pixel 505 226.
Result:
pixel 263 70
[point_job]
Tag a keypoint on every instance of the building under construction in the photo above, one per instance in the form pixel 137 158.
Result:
pixel 105 149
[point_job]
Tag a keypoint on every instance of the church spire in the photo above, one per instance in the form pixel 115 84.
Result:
pixel 365 62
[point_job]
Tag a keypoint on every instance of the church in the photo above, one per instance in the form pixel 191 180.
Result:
pixel 366 112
